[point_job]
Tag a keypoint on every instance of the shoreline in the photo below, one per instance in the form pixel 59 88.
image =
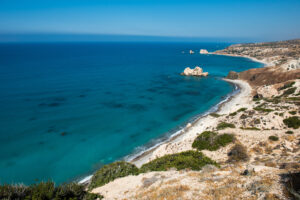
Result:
pixel 149 154
pixel 226 106
pixel 180 141
pixel 266 64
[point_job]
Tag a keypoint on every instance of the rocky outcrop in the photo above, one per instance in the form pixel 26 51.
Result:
pixel 232 75
pixel 197 71
pixel 191 52
pixel 203 51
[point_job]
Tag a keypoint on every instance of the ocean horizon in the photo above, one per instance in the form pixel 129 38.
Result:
pixel 69 108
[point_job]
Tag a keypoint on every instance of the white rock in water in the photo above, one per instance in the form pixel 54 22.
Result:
pixel 191 52
pixel 203 51
pixel 197 71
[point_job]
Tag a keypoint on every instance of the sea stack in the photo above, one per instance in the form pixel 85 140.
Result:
pixel 191 52
pixel 203 51
pixel 197 71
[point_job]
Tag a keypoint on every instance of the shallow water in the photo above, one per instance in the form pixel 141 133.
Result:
pixel 68 108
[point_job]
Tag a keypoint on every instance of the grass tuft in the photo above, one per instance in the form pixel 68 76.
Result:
pixel 224 125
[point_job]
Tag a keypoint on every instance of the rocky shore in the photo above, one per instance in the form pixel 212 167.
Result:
pixel 258 160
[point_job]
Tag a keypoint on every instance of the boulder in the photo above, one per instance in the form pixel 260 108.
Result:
pixel 197 71
pixel 191 52
pixel 203 51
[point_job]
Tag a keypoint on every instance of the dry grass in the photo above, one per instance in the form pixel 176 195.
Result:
pixel 171 192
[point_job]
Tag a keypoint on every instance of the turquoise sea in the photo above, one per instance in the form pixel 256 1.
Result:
pixel 68 108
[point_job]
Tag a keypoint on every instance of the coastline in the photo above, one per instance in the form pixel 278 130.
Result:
pixel 266 64
pixel 182 141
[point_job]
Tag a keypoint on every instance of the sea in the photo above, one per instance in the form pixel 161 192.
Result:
pixel 66 109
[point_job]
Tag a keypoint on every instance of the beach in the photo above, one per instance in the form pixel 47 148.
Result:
pixel 183 140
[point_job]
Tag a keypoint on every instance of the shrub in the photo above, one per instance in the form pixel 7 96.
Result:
pixel 224 125
pixel 112 171
pixel 261 109
pixel 287 85
pixel 250 128
pixel 214 115
pixel 233 114
pixel 273 138
pixel 289 132
pixel 193 160
pixel 292 122
pixel 46 191
pixel 293 112
pixel 212 141
pixel 238 153
pixel 242 109
pixel 289 91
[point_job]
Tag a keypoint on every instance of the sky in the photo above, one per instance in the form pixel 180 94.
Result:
pixel 256 20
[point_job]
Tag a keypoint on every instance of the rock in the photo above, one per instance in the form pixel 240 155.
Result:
pixel 245 173
pixel 203 51
pixel 197 71
pixel 232 75
pixel 191 52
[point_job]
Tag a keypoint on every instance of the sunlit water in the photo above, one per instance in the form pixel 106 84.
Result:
pixel 67 109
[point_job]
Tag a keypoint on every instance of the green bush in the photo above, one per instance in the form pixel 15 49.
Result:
pixel 289 132
pixel 46 191
pixel 289 91
pixel 250 128
pixel 112 171
pixel 242 109
pixel 211 141
pixel 292 122
pixel 261 109
pixel 273 138
pixel 287 85
pixel 233 114
pixel 193 160
pixel 293 112
pixel 214 115
pixel 237 153
pixel 224 125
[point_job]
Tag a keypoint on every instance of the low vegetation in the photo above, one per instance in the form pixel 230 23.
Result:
pixel 292 122
pixel 293 112
pixel 214 115
pixel 289 132
pixel 223 125
pixel 193 160
pixel 238 153
pixel 112 171
pixel 250 128
pixel 287 85
pixel 289 91
pixel 273 138
pixel 261 109
pixel 46 191
pixel 212 141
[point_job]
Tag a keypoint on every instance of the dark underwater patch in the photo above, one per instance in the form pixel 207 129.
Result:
pixel 137 107
pixel 178 116
pixel 82 95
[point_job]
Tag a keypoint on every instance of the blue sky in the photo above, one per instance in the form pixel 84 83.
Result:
pixel 251 19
